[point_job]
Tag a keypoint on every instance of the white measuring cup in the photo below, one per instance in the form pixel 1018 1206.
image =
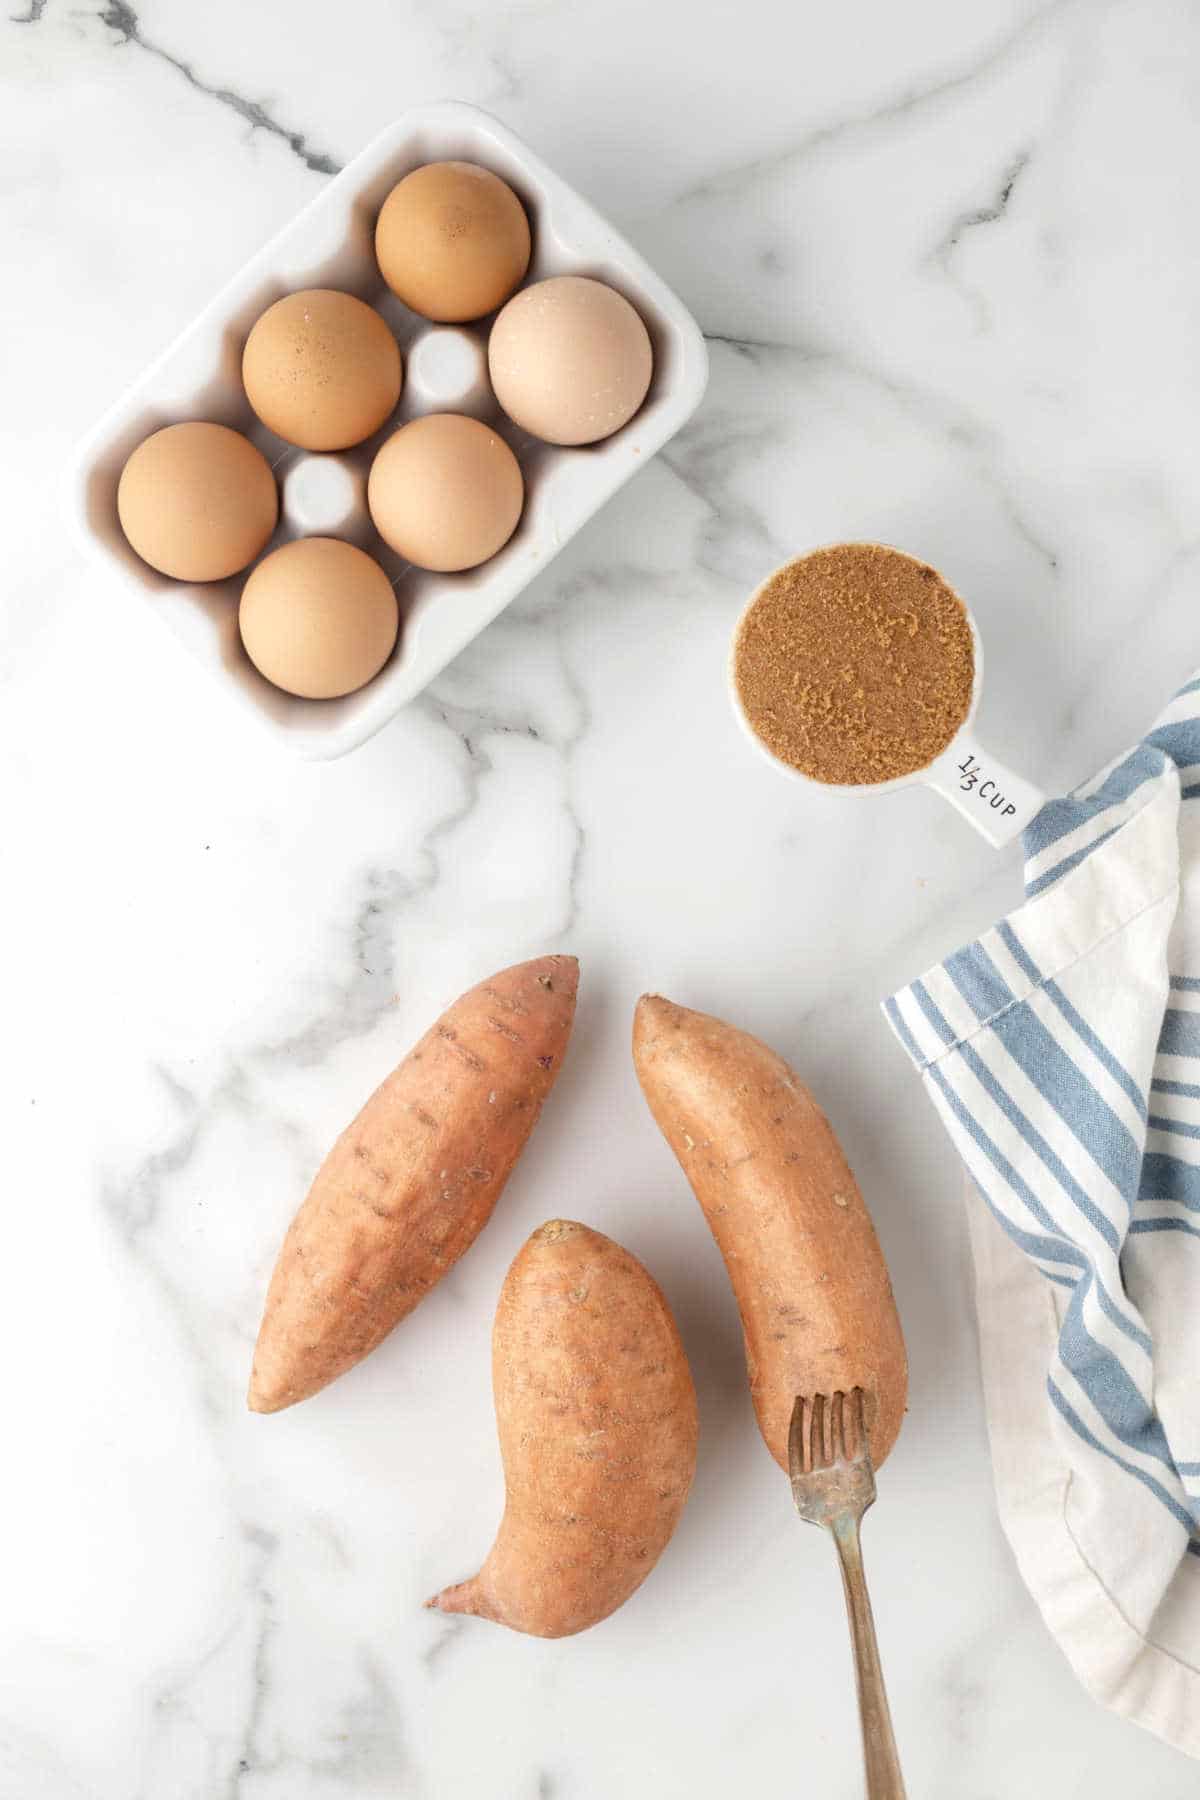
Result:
pixel 997 801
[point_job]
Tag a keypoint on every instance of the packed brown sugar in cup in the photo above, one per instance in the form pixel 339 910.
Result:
pixel 855 664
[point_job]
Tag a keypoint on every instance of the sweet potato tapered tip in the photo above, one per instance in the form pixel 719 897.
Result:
pixel 260 1398
pixel 462 1597
pixel 654 1012
pixel 657 1021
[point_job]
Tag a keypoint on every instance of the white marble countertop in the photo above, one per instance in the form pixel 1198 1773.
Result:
pixel 945 256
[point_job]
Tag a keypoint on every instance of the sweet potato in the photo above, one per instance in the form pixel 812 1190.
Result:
pixel 807 1271
pixel 596 1415
pixel 411 1183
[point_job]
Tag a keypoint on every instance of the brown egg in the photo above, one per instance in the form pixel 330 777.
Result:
pixel 318 618
pixel 197 501
pixel 452 241
pixel 570 360
pixel 445 492
pixel 321 369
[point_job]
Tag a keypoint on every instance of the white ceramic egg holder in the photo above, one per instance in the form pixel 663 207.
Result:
pixel 330 244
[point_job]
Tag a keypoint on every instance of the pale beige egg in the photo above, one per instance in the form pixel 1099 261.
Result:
pixel 322 369
pixel 197 501
pixel 570 360
pixel 445 492
pixel 452 240
pixel 318 618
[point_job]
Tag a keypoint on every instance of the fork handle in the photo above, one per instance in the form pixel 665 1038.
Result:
pixel 880 1761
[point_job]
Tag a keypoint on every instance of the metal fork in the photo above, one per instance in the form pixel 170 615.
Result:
pixel 833 1483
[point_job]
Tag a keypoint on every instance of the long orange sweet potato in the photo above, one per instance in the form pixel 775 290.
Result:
pixel 596 1416
pixel 411 1183
pixel 807 1271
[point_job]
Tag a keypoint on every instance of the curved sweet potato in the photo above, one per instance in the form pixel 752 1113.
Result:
pixel 596 1415
pixel 411 1183
pixel 807 1271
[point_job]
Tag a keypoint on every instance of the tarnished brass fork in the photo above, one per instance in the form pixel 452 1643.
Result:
pixel 833 1483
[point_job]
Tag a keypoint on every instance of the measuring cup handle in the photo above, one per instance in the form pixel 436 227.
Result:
pixel 998 803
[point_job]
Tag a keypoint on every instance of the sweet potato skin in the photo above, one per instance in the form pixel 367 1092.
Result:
pixel 413 1180
pixel 807 1271
pixel 596 1415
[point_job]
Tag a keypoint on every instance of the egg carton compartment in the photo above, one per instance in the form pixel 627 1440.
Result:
pixel 324 496
pixel 446 370
pixel 331 244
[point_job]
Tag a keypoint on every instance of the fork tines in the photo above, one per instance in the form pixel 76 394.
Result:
pixel 828 1430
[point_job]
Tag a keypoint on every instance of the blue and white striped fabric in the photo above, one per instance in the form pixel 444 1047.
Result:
pixel 1062 1050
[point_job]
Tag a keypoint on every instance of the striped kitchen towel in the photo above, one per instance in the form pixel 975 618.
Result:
pixel 1062 1050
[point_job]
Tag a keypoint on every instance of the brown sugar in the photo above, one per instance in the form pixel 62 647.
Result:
pixel 855 664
